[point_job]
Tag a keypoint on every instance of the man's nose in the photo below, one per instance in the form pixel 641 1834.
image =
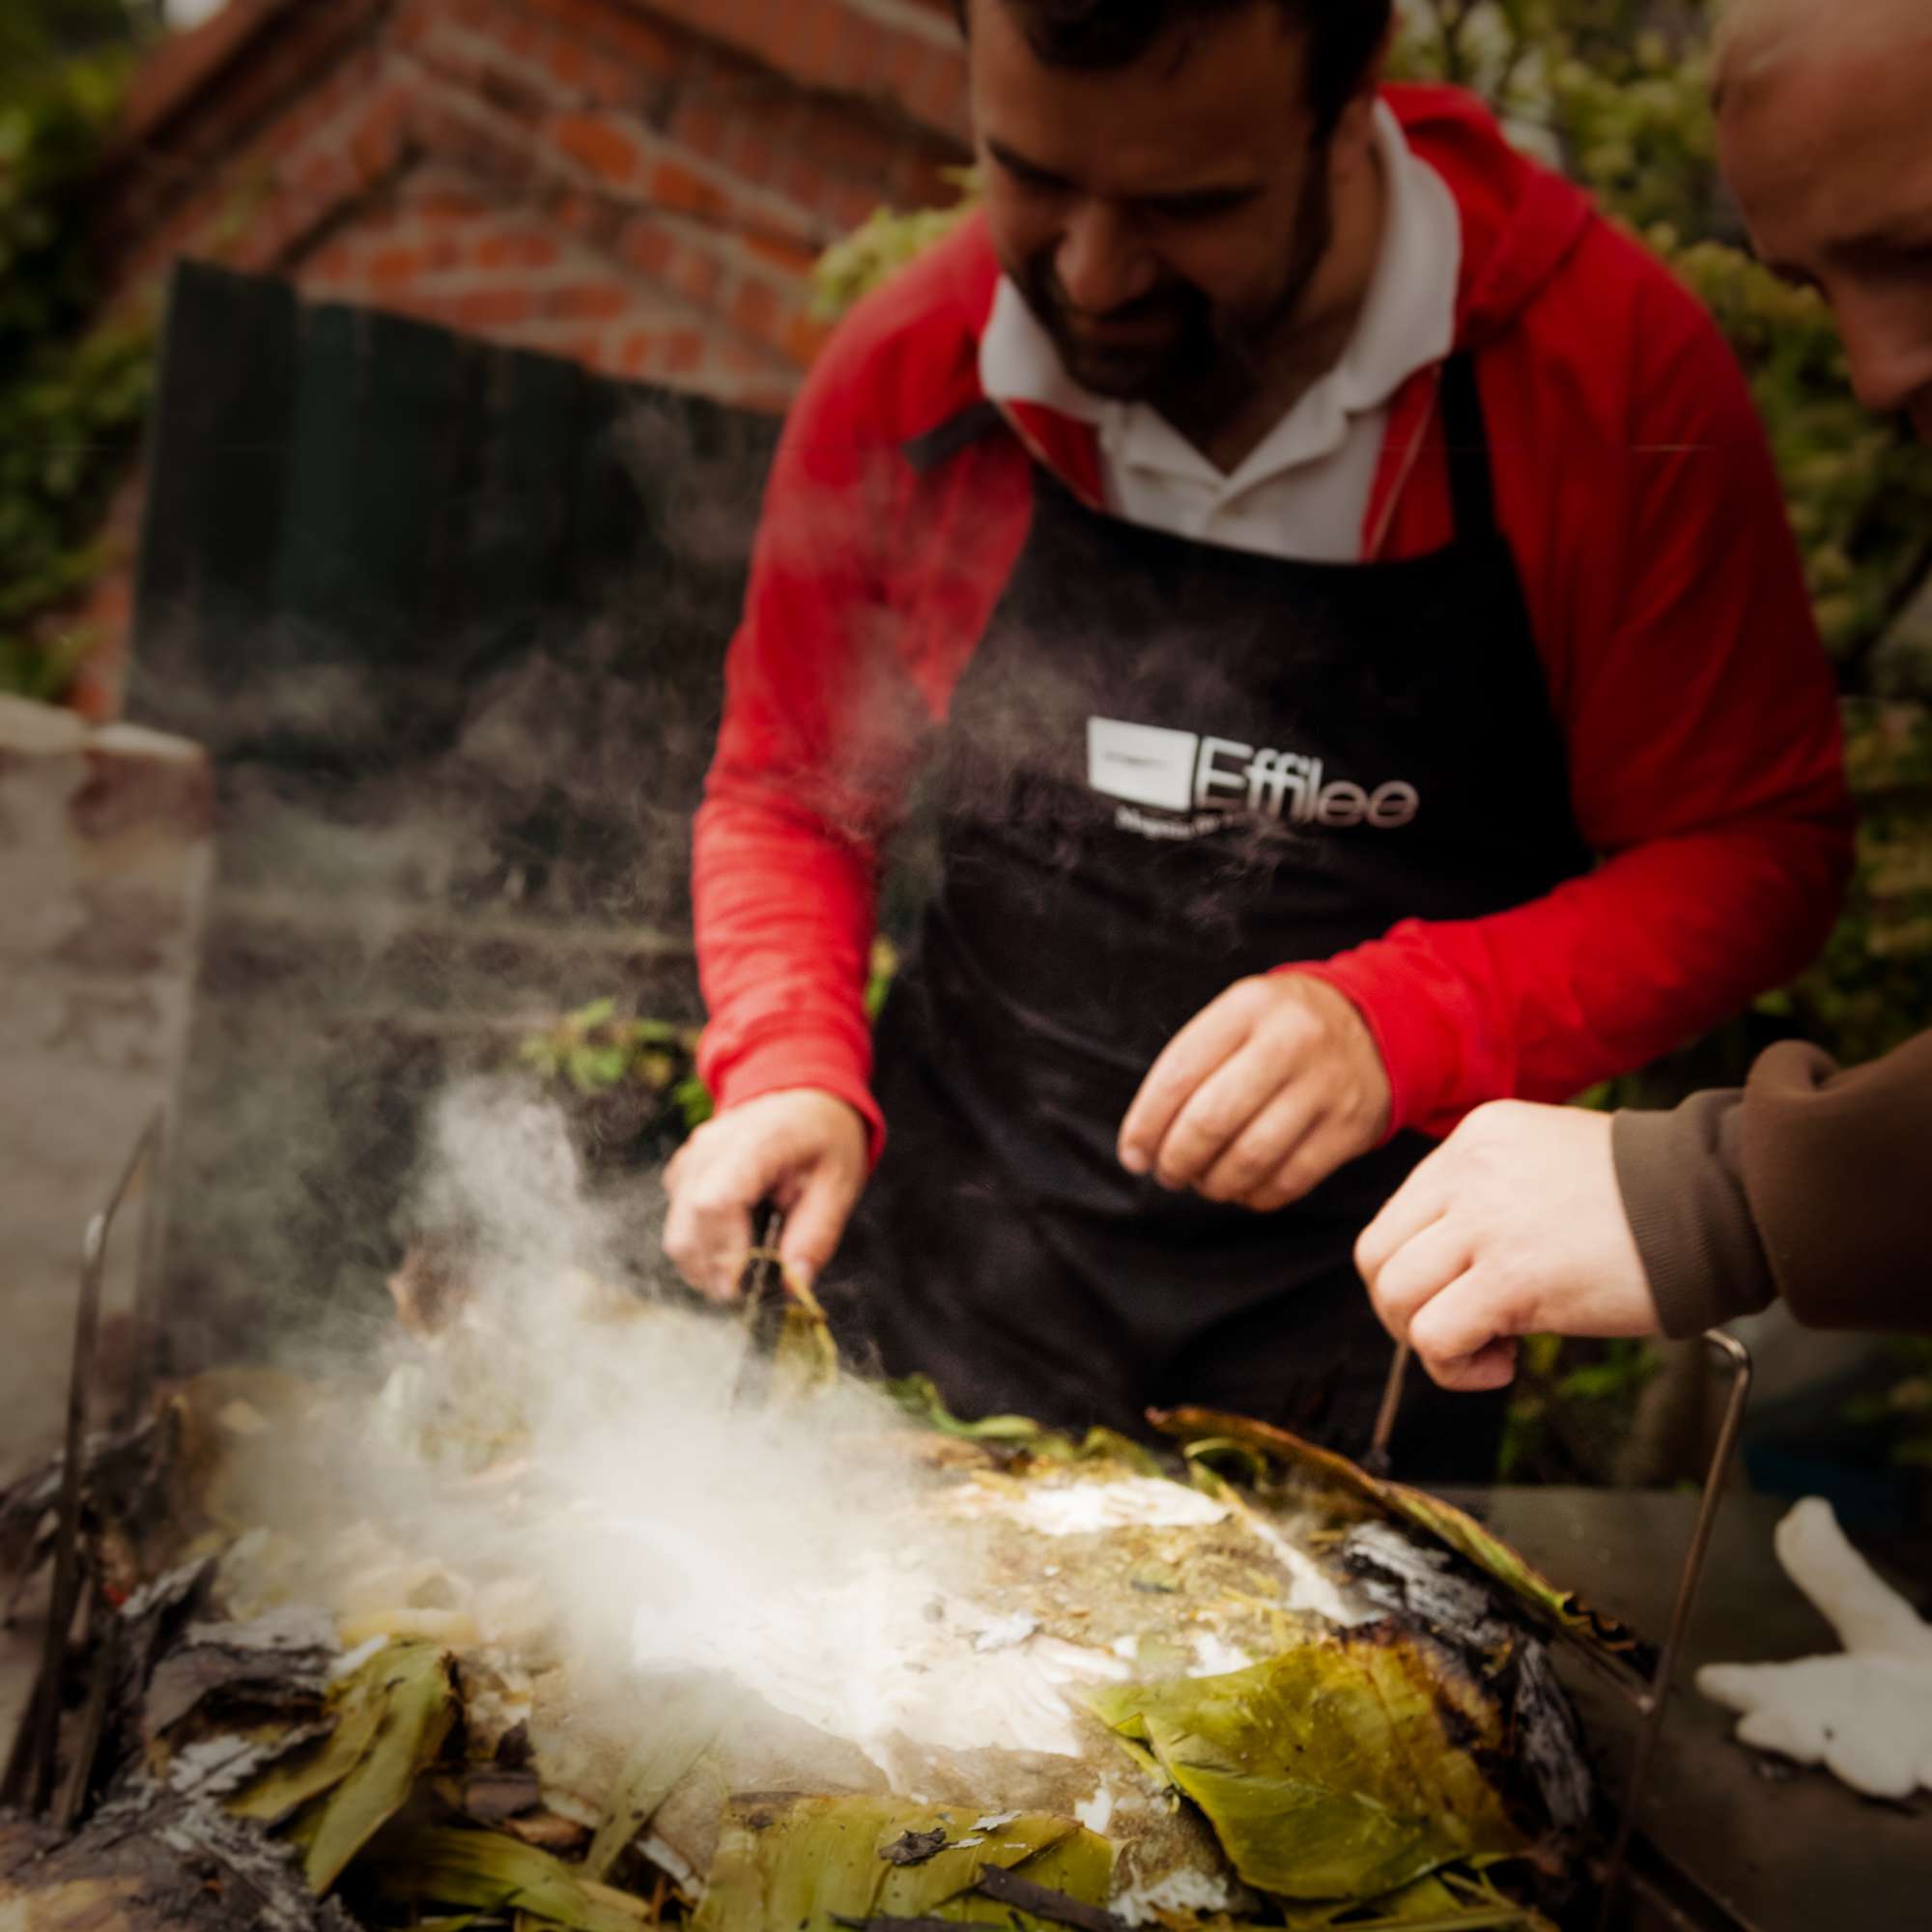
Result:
pixel 1101 264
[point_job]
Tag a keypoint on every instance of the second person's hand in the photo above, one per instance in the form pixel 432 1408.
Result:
pixel 1513 1226
pixel 801 1148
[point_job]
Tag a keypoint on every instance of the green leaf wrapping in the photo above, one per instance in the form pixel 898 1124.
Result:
pixel 1340 1770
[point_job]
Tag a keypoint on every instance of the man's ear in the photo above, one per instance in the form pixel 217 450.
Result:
pixel 1377 71
pixel 1354 125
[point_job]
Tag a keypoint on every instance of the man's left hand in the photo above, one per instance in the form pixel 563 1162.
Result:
pixel 1261 1096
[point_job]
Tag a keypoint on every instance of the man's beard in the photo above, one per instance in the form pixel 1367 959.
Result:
pixel 1206 357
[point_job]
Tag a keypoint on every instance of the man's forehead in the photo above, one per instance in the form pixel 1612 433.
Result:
pixel 1837 144
pixel 1758 39
pixel 1227 90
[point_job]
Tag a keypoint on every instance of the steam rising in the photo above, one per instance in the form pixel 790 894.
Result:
pixel 659 1530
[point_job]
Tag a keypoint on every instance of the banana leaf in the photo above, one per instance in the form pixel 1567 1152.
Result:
pixel 356 1706
pixel 1461 1531
pixel 415 1694
pixel 803 1864
pixel 683 1727
pixel 918 1395
pixel 442 1866
pixel 1340 1770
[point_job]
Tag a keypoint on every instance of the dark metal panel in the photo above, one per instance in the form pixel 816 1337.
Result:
pixel 214 507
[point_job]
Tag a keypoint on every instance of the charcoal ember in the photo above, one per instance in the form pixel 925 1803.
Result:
pixel 216 1767
pixel 1427 1585
pixel 157 1860
pixel 914 1848
pixel 493 1793
pixel 280 1661
pixel 123 1499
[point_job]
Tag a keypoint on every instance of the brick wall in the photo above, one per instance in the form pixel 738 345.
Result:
pixel 640 187
pixel 643 188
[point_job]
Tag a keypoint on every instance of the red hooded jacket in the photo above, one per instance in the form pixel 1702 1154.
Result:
pixel 1638 494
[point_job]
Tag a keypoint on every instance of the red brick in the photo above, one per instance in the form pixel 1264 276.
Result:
pixel 694 274
pixel 444 197
pixel 847 140
pixel 585 301
pixel 376 144
pixel 700 125
pixel 388 266
pixel 754 157
pixel 645 45
pixel 787 257
pixel 488 308
pixel 681 352
pixel 648 248
pixel 636 352
pixel 846 206
pixel 676 187
pixel 803 182
pixel 802 338
pixel 904 65
pixel 444 246
pixel 336 261
pixel 937 96
pixel 515 250
pixel 757 309
pixel 596 142
pixel 319 174
pixel 567 62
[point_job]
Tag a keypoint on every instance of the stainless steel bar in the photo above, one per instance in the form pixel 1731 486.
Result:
pixel 144 1355
pixel 76 1788
pixel 1376 1460
pixel 66 1594
pixel 1655 1701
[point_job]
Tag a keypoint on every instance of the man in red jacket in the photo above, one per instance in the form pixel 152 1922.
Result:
pixel 1334 593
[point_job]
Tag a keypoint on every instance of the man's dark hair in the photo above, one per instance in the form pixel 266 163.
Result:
pixel 1342 34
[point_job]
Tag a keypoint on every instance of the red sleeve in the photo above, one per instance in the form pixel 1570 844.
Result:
pixel 1705 764
pixel 821 722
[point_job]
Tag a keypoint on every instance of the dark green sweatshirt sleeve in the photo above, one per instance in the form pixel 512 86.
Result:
pixel 1680 1175
pixel 1814 1183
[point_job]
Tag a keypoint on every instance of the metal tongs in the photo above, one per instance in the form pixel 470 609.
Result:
pixel 764 1298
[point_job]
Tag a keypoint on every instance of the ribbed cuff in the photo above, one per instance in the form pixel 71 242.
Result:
pixel 1401 1049
pixel 782 1066
pixel 1683 1191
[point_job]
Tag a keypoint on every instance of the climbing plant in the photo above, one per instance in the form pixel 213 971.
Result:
pixel 72 390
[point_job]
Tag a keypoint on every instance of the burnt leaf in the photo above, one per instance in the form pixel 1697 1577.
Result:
pixel 1450 1525
pixel 914 1848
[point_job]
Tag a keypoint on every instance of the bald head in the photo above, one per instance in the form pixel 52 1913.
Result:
pixel 1755 37
pixel 1825 137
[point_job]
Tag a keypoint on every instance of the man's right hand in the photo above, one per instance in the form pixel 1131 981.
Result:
pixel 801 1148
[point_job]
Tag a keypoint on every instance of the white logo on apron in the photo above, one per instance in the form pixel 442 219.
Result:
pixel 1181 771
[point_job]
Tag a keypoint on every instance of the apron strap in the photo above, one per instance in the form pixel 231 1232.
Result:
pixel 925 453
pixel 1465 441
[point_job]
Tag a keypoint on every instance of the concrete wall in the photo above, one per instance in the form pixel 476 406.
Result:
pixel 105 850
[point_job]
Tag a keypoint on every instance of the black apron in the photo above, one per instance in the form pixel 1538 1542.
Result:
pixel 1170 765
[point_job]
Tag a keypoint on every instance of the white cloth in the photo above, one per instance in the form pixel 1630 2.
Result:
pixel 1304 490
pixel 1866 1715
